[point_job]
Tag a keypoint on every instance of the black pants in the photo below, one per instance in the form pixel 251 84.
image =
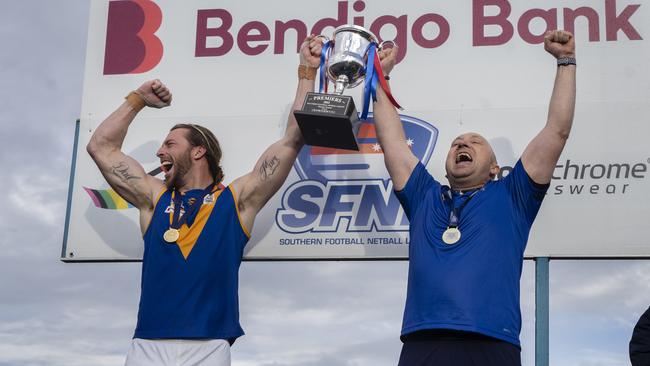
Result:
pixel 449 348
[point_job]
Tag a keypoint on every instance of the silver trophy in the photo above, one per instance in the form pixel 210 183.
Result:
pixel 331 120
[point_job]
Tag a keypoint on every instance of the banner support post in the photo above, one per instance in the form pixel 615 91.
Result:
pixel 541 311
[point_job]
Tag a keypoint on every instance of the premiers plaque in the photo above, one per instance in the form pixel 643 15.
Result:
pixel 329 120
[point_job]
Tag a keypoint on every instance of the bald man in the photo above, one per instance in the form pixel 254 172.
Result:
pixel 467 239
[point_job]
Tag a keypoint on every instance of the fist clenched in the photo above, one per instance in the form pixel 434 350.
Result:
pixel 310 51
pixel 155 94
pixel 388 58
pixel 560 43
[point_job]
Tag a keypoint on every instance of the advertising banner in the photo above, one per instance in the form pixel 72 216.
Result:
pixel 463 66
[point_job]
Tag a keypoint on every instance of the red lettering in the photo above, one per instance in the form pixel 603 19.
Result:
pixel 281 30
pixel 245 36
pixel 203 32
pixel 418 26
pixel 487 30
pixel 592 19
pixel 480 21
pixel 331 22
pixel 400 26
pixel 614 23
pixel 153 45
pixel 124 50
pixel 358 6
pixel 132 46
pixel 523 25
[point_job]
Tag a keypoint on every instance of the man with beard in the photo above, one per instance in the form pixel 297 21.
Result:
pixel 194 228
pixel 467 239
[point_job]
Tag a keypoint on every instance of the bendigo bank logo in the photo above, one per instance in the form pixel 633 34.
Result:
pixel 350 188
pixel 131 44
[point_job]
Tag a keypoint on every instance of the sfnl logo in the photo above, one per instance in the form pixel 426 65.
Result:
pixel 350 190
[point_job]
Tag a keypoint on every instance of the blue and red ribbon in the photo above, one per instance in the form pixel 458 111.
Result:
pixel 370 87
pixel 323 73
pixel 374 76
pixel 384 84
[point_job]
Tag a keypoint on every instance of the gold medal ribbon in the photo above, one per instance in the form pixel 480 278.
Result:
pixel 177 220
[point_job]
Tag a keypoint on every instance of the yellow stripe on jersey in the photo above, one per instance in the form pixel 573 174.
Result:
pixel 189 235
pixel 158 196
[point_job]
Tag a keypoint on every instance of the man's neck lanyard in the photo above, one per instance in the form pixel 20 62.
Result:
pixel 177 219
pixel 452 234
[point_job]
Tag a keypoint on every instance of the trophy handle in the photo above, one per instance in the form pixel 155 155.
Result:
pixel 389 44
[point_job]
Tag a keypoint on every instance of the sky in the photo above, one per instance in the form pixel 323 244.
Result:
pixel 294 313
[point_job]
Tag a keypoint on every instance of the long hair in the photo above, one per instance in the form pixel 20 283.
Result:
pixel 201 136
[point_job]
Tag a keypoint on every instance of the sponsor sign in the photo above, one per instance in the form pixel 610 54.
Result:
pixel 469 66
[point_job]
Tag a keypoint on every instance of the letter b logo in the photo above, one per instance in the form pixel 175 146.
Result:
pixel 131 45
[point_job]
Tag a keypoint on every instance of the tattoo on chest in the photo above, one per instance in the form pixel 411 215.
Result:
pixel 121 170
pixel 269 167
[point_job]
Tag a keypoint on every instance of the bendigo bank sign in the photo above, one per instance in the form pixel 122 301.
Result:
pixel 132 45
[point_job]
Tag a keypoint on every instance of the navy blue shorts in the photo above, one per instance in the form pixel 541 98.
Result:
pixel 452 348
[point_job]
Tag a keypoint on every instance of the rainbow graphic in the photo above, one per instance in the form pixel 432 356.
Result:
pixel 107 199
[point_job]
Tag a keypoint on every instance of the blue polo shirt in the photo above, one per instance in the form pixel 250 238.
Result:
pixel 472 285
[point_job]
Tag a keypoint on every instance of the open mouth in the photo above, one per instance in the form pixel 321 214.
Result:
pixel 166 166
pixel 463 157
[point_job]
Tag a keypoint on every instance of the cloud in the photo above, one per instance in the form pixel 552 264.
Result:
pixel 38 195
pixel 50 354
pixel 616 287
pixel 308 317
pixel 594 307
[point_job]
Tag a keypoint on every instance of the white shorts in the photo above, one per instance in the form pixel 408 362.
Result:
pixel 178 352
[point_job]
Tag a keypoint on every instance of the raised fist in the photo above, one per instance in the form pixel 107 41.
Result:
pixel 155 94
pixel 560 43
pixel 388 58
pixel 310 51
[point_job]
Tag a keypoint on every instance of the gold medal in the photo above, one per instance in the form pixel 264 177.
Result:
pixel 451 236
pixel 171 235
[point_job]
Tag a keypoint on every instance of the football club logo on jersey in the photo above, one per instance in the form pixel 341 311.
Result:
pixel 350 188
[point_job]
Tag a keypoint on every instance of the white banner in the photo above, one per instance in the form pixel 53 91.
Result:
pixel 464 66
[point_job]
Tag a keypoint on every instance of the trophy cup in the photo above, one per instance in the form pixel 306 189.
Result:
pixel 331 120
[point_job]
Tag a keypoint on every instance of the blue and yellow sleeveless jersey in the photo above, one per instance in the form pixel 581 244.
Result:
pixel 189 289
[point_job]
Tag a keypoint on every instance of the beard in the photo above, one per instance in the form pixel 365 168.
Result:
pixel 181 167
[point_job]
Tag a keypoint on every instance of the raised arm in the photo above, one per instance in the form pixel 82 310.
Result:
pixel 271 170
pixel 123 173
pixel 541 155
pixel 398 157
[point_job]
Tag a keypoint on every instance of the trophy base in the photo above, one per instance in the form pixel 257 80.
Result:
pixel 329 120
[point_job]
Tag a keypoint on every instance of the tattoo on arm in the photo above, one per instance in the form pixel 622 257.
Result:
pixel 121 170
pixel 268 167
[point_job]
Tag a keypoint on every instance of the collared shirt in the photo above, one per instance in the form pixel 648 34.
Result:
pixel 472 285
